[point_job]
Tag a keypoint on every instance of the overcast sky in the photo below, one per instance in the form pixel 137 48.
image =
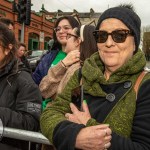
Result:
pixel 142 7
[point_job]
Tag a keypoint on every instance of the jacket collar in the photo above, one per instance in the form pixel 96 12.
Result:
pixel 94 64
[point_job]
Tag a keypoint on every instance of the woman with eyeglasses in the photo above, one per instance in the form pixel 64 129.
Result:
pixel 115 113
pixel 62 26
pixel 20 98
pixel 80 46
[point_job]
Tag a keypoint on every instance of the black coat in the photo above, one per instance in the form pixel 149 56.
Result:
pixel 20 103
pixel 104 98
pixel 25 62
pixel 99 107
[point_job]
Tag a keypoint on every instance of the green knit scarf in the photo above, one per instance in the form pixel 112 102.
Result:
pixel 121 116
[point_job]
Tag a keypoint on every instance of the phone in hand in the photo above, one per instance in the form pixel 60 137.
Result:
pixel 77 96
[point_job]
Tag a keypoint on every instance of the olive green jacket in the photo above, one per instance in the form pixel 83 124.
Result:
pixel 92 75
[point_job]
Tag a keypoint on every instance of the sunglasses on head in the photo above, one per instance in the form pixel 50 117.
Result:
pixel 69 35
pixel 118 36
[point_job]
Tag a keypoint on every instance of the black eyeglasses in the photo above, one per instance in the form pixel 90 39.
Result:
pixel 69 35
pixel 119 36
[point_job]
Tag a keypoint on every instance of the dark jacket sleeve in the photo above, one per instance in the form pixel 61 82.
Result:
pixel 67 131
pixel 140 136
pixel 41 70
pixel 27 107
pixel 43 66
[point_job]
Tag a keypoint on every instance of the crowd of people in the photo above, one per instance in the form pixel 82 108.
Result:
pixel 89 92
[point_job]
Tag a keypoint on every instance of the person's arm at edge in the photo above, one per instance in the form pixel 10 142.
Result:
pixel 53 119
pixel 41 69
pixel 28 105
pixel 49 84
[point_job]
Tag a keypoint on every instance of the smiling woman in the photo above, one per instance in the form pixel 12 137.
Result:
pixel 62 26
pixel 112 116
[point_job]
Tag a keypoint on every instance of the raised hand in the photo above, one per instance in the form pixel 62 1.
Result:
pixel 72 57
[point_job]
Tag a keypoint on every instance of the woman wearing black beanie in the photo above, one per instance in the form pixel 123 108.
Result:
pixel 115 113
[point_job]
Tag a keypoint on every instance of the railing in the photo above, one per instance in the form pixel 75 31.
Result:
pixel 22 135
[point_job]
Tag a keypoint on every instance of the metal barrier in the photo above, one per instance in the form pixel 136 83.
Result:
pixel 22 135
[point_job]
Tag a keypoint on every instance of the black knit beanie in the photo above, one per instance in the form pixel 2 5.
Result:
pixel 128 17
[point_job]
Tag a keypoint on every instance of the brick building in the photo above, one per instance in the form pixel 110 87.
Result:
pixel 37 34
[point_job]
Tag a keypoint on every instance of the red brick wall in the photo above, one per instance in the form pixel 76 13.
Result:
pixel 38 23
